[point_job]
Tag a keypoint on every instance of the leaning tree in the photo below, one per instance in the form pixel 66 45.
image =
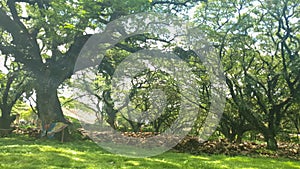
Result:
pixel 47 36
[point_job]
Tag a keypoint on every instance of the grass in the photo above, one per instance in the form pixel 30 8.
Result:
pixel 23 152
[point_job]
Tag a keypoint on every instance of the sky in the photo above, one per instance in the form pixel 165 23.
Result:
pixel 2 68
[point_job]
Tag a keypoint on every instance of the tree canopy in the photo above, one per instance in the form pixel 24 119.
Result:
pixel 258 43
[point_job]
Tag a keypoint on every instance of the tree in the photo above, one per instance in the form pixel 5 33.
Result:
pixel 233 125
pixel 38 38
pixel 157 115
pixel 47 36
pixel 260 58
pixel 13 85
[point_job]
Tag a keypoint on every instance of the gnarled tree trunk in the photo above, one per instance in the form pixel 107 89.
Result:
pixel 49 107
pixel 48 104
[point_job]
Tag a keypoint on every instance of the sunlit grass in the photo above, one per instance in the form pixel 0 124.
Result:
pixel 27 153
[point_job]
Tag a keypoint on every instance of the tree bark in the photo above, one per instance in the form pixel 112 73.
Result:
pixel 6 119
pixel 49 107
pixel 239 137
pixel 271 142
pixel 5 122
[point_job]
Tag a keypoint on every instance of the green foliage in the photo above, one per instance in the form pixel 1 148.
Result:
pixel 13 85
pixel 24 110
pixel 259 58
pixel 257 41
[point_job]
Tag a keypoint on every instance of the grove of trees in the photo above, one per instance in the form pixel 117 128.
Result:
pixel 257 42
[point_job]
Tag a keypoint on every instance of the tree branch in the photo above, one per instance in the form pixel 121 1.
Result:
pixel 10 26
pixel 176 3
pixel 12 6
pixel 22 40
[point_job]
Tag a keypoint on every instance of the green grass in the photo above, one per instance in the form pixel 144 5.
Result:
pixel 22 152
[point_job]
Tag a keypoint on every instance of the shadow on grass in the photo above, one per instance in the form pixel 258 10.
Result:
pixel 22 152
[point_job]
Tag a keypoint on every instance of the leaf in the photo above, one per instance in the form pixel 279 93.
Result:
pixel 69 26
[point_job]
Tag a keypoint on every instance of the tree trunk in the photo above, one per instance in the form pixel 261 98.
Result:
pixel 231 137
pixel 5 122
pixel 239 137
pixel 49 107
pixel 109 109
pixel 111 120
pixel 271 142
pixel 6 119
